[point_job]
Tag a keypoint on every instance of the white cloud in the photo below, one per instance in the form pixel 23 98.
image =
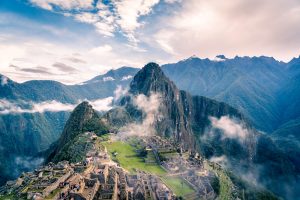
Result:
pixel 102 104
pixel 150 107
pixel 124 78
pixel 173 1
pixel 87 17
pixel 64 4
pixel 108 78
pixel 8 107
pixel 230 128
pixel 123 15
pixel 51 106
pixel 15 107
pixel 119 92
pixel 128 13
pixel 222 160
pixel 101 49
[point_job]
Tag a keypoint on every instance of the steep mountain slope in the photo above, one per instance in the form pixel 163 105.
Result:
pixel 249 84
pixel 69 147
pixel 22 136
pixel 181 111
pixel 291 130
pixel 289 95
pixel 209 127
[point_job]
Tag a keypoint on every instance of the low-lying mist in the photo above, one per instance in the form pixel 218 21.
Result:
pixel 150 109
pixel 16 107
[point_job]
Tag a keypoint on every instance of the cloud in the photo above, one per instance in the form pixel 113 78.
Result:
pixel 253 28
pixel 102 104
pixel 63 67
pixel 108 17
pixel 230 128
pixel 37 59
pixel 128 13
pixel 108 78
pixel 150 107
pixel 63 4
pixel 15 107
pixel 222 160
pixel 37 70
pixel 75 60
pixel 119 92
pixel 125 78
pixel 51 106
pixel 12 107
pixel 26 163
pixel 101 49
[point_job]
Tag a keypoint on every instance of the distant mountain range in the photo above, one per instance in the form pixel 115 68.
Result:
pixel 266 91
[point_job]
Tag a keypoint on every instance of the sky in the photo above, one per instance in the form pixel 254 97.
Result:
pixel 72 41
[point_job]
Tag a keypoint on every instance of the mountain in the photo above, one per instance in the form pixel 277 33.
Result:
pixel 289 95
pixel 69 147
pixel 212 128
pixel 22 136
pixel 179 108
pixel 45 90
pixel 247 83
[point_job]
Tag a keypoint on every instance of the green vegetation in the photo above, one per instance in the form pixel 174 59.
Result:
pixel 224 185
pixel 250 191
pixel 7 197
pixel 128 158
pixel 95 125
pixel 75 150
pixel 178 185
pixel 229 186
pixel 126 155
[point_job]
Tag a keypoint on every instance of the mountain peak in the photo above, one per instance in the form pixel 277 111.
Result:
pixel 151 67
pixel 4 80
pixel 80 115
pixel 149 79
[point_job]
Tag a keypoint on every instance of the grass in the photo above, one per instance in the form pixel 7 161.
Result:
pixel 178 185
pixel 128 159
